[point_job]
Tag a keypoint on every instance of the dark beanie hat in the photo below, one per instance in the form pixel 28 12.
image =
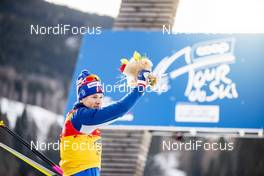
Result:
pixel 88 84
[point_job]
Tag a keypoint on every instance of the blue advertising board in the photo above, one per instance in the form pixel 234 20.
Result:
pixel 210 81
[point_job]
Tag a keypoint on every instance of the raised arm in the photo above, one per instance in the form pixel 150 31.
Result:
pixel 88 116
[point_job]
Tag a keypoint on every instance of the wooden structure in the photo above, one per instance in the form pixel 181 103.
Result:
pixel 124 152
pixel 146 14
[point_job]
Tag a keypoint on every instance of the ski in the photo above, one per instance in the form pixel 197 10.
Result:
pixel 55 167
pixel 27 160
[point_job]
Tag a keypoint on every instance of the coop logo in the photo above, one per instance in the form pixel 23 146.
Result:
pixel 207 66
pixel 211 49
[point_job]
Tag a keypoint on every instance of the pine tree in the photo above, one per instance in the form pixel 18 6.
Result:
pixel 53 137
pixel 250 157
pixel 27 129
pixel 8 164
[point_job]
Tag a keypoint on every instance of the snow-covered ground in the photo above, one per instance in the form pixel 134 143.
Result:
pixel 169 163
pixel 42 117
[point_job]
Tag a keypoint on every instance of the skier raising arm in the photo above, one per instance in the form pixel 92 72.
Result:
pixel 80 148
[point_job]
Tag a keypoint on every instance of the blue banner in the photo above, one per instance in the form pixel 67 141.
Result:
pixel 205 80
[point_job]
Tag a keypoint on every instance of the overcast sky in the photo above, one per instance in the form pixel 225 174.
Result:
pixel 214 16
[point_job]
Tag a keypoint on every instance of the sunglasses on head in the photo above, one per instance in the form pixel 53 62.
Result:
pixel 87 79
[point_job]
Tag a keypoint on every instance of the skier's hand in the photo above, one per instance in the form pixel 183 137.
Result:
pixel 142 77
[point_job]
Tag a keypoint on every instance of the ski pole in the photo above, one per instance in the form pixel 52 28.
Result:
pixel 55 167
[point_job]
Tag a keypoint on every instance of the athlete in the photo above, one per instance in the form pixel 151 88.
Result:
pixel 81 147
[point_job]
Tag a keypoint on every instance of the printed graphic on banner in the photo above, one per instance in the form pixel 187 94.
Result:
pixel 207 66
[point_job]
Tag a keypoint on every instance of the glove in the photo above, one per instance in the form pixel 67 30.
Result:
pixel 142 77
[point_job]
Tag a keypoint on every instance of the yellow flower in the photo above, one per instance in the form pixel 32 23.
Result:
pixel 124 61
pixel 136 56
